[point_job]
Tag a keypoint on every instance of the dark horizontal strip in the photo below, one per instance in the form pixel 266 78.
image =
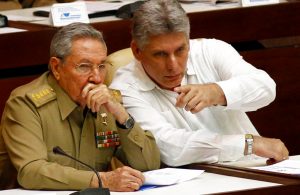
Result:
pixel 23 71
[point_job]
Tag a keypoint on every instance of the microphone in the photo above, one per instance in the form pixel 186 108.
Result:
pixel 88 191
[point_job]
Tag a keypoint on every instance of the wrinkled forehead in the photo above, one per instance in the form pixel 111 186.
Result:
pixel 167 40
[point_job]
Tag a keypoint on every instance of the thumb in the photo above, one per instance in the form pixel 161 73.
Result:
pixel 181 89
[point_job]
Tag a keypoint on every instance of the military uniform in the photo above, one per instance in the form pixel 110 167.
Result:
pixel 40 115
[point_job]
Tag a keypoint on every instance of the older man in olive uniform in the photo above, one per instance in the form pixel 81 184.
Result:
pixel 70 107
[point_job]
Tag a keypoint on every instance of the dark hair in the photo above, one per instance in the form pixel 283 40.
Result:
pixel 61 43
pixel 155 17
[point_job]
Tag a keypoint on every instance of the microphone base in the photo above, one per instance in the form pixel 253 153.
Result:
pixel 93 191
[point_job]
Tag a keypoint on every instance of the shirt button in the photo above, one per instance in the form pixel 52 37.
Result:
pixel 136 138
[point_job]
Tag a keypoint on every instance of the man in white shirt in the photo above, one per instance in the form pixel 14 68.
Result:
pixel 193 94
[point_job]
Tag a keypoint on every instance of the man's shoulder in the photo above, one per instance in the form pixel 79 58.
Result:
pixel 38 91
pixel 206 41
pixel 41 95
pixel 207 46
pixel 125 76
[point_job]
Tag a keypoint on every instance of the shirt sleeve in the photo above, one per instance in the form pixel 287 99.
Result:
pixel 179 146
pixel 23 136
pixel 140 148
pixel 246 88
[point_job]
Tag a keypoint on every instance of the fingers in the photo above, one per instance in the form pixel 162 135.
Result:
pixel 132 178
pixel 182 89
pixel 182 99
pixel 274 149
pixel 282 152
pixel 133 175
pixel 279 151
pixel 88 87
pixel 270 161
pixel 133 185
pixel 123 179
pixel 194 98
pixel 187 98
pixel 200 106
pixel 95 96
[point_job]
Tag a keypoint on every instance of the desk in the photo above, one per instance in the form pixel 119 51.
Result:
pixel 238 169
pixel 24 55
pixel 208 183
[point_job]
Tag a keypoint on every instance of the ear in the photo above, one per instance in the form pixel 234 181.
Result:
pixel 54 64
pixel 135 50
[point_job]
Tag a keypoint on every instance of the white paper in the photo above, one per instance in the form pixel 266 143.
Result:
pixel 65 13
pixel 97 6
pixel 169 176
pixel 246 3
pixel 287 166
pixel 5 30
pixel 24 18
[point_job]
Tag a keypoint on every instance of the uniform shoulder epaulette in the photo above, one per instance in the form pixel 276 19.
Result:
pixel 116 94
pixel 41 95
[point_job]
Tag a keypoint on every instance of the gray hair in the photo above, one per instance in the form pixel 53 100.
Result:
pixel 157 17
pixel 61 43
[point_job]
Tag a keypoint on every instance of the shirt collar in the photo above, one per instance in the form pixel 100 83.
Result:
pixel 65 104
pixel 190 69
pixel 143 81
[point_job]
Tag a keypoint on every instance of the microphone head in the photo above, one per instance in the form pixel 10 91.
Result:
pixel 100 190
pixel 57 150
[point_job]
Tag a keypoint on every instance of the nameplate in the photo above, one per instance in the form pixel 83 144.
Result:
pixel 66 13
pixel 246 3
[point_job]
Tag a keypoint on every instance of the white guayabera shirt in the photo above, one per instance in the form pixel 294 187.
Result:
pixel 214 134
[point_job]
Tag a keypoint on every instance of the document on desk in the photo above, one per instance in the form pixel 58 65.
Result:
pixel 23 18
pixel 287 167
pixel 98 6
pixel 169 176
pixel 5 30
pixel 208 1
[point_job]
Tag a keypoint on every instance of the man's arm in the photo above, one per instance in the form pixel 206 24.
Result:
pixel 24 139
pixel 179 146
pixel 140 148
pixel 246 88
pixel 139 145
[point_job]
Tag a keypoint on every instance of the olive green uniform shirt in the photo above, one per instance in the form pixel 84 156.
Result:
pixel 39 116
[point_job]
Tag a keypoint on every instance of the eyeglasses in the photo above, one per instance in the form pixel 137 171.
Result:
pixel 87 68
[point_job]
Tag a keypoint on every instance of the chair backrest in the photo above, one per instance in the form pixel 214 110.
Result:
pixel 116 60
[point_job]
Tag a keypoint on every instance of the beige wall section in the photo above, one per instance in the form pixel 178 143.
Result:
pixel 10 4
